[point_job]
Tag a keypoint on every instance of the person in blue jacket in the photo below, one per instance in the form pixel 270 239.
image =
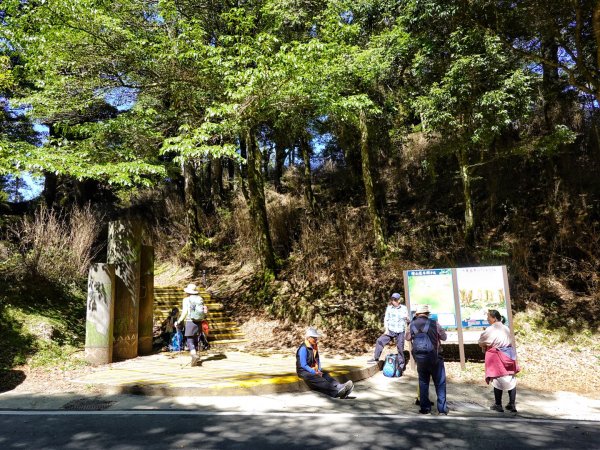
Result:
pixel 430 365
pixel 308 367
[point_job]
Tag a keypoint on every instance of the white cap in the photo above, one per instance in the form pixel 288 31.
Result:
pixel 191 289
pixel 312 332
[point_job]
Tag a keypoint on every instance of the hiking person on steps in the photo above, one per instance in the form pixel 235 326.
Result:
pixel 193 312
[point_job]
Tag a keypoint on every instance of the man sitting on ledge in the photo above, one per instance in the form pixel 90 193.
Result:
pixel 308 367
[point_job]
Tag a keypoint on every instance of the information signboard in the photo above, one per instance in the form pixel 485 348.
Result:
pixel 433 287
pixel 480 289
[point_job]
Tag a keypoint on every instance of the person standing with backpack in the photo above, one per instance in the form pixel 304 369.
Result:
pixel 394 321
pixel 193 312
pixel 426 335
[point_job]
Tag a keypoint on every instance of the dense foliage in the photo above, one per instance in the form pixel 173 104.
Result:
pixel 336 142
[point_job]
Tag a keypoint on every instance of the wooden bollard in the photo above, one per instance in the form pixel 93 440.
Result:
pixel 124 248
pixel 146 323
pixel 100 314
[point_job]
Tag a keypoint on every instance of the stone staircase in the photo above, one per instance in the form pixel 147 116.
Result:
pixel 222 329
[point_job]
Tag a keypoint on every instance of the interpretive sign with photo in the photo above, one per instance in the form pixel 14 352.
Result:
pixel 433 287
pixel 480 289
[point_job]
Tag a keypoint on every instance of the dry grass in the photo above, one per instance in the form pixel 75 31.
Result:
pixel 59 246
pixel 242 229
pixel 172 273
pixel 285 213
pixel 336 250
pixel 168 236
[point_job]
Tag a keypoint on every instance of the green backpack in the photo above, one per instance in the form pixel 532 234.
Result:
pixel 196 311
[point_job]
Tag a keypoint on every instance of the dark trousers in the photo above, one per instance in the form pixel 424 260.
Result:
pixel 437 371
pixel 385 339
pixel 324 384
pixel 193 341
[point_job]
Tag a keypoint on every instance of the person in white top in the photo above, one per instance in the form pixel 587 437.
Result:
pixel 193 311
pixel 395 320
pixel 500 361
pixel 497 334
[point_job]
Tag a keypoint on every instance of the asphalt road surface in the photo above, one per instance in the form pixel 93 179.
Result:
pixel 137 429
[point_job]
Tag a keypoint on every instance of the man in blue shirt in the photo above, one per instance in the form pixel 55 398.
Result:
pixel 308 367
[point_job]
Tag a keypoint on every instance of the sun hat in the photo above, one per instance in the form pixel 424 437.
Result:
pixel 422 309
pixel 312 332
pixel 191 289
pixel 396 296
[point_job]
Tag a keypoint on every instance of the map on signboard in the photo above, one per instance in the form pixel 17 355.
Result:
pixel 480 289
pixel 433 287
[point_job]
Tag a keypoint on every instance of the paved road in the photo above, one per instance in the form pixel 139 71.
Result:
pixel 380 414
pixel 162 429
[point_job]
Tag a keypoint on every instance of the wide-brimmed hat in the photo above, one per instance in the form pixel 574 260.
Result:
pixel 312 332
pixel 191 289
pixel 422 309
pixel 396 296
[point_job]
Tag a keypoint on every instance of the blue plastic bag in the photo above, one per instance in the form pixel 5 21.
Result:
pixel 176 344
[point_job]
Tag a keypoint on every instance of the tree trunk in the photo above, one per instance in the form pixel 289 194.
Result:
pixel 50 186
pixel 550 81
pixel 217 181
pixel 192 209
pixel 243 169
pixel 465 176
pixel 378 235
pixel 280 155
pixel 204 186
pixel 266 157
pixel 230 174
pixel 257 204
pixel 596 31
pixel 308 191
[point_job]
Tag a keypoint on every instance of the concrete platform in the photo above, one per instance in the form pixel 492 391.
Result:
pixel 220 373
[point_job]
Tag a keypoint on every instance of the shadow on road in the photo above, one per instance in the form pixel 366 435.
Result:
pixel 10 379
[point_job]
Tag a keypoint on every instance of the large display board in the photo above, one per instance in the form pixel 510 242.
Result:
pixel 435 288
pixel 459 299
pixel 480 289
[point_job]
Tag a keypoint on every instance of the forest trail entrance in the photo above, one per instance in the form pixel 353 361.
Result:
pixel 222 329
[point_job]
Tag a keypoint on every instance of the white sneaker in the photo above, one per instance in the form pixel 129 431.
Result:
pixel 345 390
pixel 349 391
